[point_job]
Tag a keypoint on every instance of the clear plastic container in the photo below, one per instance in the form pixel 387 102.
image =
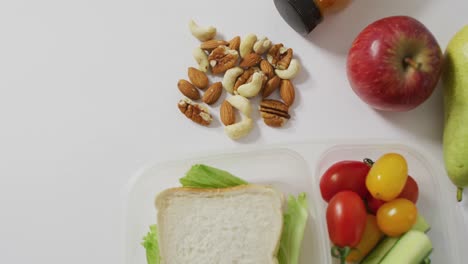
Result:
pixel 295 168
pixel 446 230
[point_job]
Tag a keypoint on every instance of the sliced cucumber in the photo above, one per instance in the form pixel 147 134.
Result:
pixel 412 248
pixel 421 224
pixel 381 250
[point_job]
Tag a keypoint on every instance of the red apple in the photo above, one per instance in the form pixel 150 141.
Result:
pixel 394 64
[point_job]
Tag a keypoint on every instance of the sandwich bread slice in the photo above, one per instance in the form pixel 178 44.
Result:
pixel 237 225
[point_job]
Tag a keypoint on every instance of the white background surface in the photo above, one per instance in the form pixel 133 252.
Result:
pixel 88 95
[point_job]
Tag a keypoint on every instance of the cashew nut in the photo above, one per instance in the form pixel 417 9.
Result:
pixel 252 88
pixel 240 129
pixel 247 44
pixel 262 45
pixel 230 78
pixel 290 72
pixel 201 58
pixel 241 103
pixel 202 33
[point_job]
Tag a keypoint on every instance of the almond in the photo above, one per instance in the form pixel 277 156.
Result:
pixel 250 60
pixel 267 69
pixel 213 93
pixel 228 117
pixel 271 86
pixel 198 78
pixel 213 44
pixel 287 92
pixel 187 89
pixel 234 43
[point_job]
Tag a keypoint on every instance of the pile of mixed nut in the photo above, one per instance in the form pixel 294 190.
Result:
pixel 248 72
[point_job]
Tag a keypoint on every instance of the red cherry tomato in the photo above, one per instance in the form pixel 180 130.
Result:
pixel 344 176
pixel 346 219
pixel 373 204
pixel 410 191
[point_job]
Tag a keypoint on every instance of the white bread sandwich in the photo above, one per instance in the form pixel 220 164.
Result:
pixel 236 225
pixel 219 218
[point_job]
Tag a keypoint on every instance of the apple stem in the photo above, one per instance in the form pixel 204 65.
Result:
pixel 409 61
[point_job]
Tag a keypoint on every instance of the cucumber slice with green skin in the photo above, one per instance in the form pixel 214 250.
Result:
pixel 421 225
pixel 412 248
pixel 376 255
pixel 384 246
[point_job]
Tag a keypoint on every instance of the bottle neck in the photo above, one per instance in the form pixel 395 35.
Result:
pixel 331 6
pixel 325 4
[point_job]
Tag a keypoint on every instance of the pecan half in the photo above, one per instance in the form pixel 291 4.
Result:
pixel 279 56
pixel 285 59
pixel 274 112
pixel 195 112
pixel 222 59
pixel 274 54
pixel 244 78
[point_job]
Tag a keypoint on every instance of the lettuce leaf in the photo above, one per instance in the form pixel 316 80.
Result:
pixel 295 220
pixel 150 243
pixel 203 176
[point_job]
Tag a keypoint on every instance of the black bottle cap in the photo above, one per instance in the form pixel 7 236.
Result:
pixel 302 15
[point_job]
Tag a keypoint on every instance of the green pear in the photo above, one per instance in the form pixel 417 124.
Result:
pixel 455 85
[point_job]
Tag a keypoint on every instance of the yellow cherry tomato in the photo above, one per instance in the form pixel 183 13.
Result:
pixel 397 217
pixel 387 177
pixel 372 235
